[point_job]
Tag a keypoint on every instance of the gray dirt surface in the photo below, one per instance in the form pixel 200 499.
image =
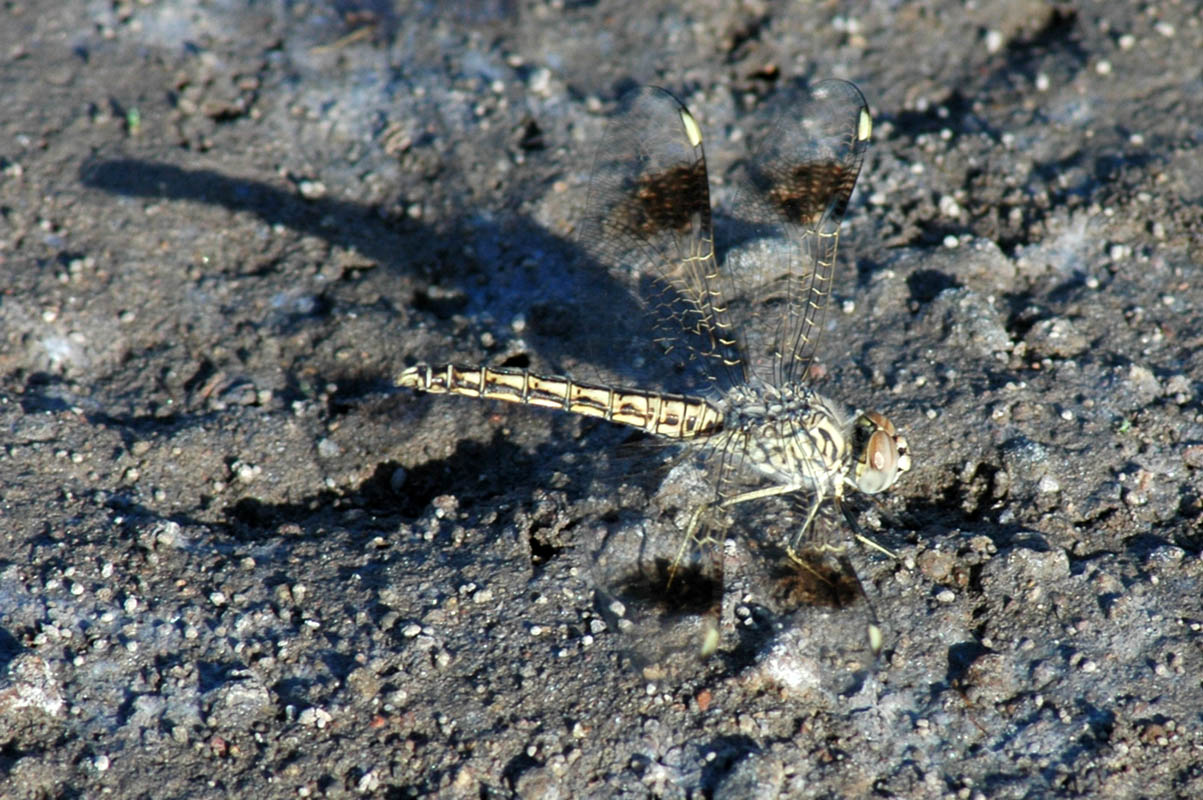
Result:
pixel 235 562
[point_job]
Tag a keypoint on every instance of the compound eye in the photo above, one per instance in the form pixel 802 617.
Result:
pixel 879 420
pixel 879 464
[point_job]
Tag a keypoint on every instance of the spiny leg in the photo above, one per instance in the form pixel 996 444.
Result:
pixel 860 535
pixel 691 538
pixel 791 549
pixel 757 494
pixel 686 540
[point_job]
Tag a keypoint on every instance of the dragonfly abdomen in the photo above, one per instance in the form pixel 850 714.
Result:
pixel 672 415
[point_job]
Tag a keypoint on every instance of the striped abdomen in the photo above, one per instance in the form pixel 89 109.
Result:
pixel 673 415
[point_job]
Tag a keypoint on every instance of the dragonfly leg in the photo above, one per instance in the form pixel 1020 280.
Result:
pixel 689 539
pixel 768 491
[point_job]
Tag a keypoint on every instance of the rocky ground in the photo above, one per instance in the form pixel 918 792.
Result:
pixel 235 561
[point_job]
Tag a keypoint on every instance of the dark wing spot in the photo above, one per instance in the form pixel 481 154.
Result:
pixel 804 193
pixel 816 582
pixel 671 200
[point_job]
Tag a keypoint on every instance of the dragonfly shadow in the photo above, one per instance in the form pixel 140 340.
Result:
pixel 340 222
pixel 570 304
pixel 484 267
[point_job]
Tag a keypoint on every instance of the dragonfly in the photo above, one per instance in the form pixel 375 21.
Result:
pixel 747 324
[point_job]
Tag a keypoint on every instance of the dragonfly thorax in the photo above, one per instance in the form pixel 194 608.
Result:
pixel 792 435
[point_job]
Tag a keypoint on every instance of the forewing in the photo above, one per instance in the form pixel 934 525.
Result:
pixel 790 200
pixel 647 220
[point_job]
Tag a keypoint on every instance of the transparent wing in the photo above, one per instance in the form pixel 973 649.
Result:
pixel 790 200
pixel 647 219
pixel 659 579
pixel 813 599
pixel 674 601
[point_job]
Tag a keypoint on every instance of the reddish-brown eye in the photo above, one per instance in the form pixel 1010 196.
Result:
pixel 883 456
pixel 882 452
pixel 879 419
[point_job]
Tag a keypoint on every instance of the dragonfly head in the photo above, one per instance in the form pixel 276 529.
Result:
pixel 881 453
